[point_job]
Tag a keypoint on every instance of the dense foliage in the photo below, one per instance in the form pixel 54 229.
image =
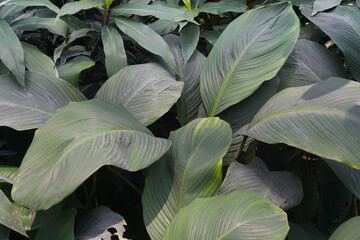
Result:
pixel 193 119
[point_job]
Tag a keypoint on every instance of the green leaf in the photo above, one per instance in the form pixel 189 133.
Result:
pixel 8 216
pixel 160 10
pixel 36 61
pixel 4 232
pixel 239 215
pixel 358 3
pixel 74 143
pixel 211 36
pixel 8 173
pixel 12 54
pixel 309 63
pixel 223 6
pixel 304 232
pixel 94 225
pixel 347 230
pixel 250 51
pixel 323 119
pixel 187 3
pixel 58 227
pixel 74 7
pixel 190 169
pixel 163 27
pixel 342 24
pixel 147 91
pixel 71 70
pixel 189 38
pixel 146 37
pixel 282 188
pixel 31 3
pixel 115 56
pixel 322 5
pixel 197 3
pixel 29 108
pixel 33 23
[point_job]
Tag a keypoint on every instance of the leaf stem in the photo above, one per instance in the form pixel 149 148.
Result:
pixel 240 149
pixel 124 179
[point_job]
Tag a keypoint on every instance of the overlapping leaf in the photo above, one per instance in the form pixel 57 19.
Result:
pixel 74 7
pixel 74 143
pixel 71 70
pixel 8 173
pixel 250 51
pixel 191 169
pixel 31 3
pixel 323 119
pixel 322 5
pixel 223 6
pixel 56 26
pixel 347 230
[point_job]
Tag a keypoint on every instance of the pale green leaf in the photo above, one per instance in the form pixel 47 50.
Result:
pixel 347 230
pixel 115 56
pixel 71 70
pixel 250 51
pixel 29 108
pixel 8 173
pixel 189 38
pixel 12 54
pixel 322 5
pixel 147 91
pixel 323 119
pixel 31 3
pixel 239 215
pixel 223 6
pixel 74 143
pixel 33 23
pixel 187 3
pixel 74 7
pixel 190 169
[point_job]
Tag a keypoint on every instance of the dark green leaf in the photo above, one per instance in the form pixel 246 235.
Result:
pixel 71 70
pixel 189 38
pixel 31 3
pixel 322 5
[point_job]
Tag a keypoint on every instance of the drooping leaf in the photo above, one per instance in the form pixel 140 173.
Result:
pixel 36 61
pixel 115 56
pixel 189 38
pixel 309 63
pixel 10 12
pixel 250 51
pixel 146 37
pixel 31 3
pixel 29 108
pixel 8 216
pixel 323 119
pixel 74 143
pixel 282 188
pixel 33 23
pixel 8 173
pixel 229 217
pixel 191 169
pixel 223 6
pixel 347 230
pixel 304 232
pixel 74 7
pixel 94 224
pixel 342 24
pixel 12 54
pixel 58 227
pixel 147 91
pixel 163 27
pixel 322 5
pixel 71 70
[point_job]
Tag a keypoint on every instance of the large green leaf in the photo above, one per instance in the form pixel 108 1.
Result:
pixel 33 23
pixel 94 225
pixel 29 108
pixel 36 61
pixel 74 143
pixel 309 63
pixel 160 10
pixel 223 6
pixel 342 24
pixel 191 169
pixel 163 27
pixel 323 119
pixel 32 3
pixel 115 57
pixel 147 91
pixel 8 216
pixel 71 70
pixel 58 227
pixel 8 173
pixel 189 38
pixel 347 230
pixel 74 7
pixel 12 54
pixel 250 51
pixel 322 5
pixel 239 215
pixel 282 188
pixel 146 37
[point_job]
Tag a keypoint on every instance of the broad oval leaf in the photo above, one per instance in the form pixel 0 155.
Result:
pixel 322 5
pixel 12 54
pixel 223 6
pixel 191 169
pixel 342 24
pixel 250 51
pixel 147 91
pixel 74 143
pixel 323 119
pixel 284 189
pixel 8 173
pixel 94 225
pixel 347 230
pixel 29 108
pixel 239 215
pixel 309 63
pixel 71 70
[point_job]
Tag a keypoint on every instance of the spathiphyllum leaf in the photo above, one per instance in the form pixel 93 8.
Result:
pixel 342 24
pixel 250 51
pixel 74 143
pixel 29 108
pixel 239 215
pixel 323 119
pixel 347 230
pixel 191 169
